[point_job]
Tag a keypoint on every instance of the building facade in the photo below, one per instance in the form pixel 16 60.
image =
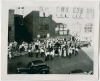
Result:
pixel 19 28
pixel 61 29
pixel 37 26
pixel 11 26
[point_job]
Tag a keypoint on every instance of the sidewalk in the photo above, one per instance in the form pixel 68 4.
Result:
pixel 89 51
pixel 18 53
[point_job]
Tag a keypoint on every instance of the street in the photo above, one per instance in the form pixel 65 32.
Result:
pixel 89 51
pixel 57 65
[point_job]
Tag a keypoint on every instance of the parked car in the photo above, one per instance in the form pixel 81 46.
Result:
pixel 83 43
pixel 34 67
pixel 79 71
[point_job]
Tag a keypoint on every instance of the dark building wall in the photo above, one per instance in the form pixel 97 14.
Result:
pixel 11 27
pixel 51 26
pixel 19 28
pixel 33 22
pixel 28 25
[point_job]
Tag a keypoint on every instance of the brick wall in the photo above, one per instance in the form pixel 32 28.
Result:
pixel 11 27
pixel 32 22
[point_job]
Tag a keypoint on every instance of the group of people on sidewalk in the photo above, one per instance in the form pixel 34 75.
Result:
pixel 51 47
pixel 45 47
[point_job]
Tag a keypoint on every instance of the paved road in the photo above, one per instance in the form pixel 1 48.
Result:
pixel 58 65
pixel 89 51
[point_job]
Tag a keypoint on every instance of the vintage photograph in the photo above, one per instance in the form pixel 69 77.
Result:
pixel 50 40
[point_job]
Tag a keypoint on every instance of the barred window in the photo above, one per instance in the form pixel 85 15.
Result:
pixel 46 27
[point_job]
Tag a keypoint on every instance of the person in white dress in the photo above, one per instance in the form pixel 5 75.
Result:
pixel 60 52
pixel 25 46
pixel 64 52
pixel 10 56
pixel 69 52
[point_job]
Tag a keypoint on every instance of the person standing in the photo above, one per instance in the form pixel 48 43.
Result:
pixel 25 47
pixel 46 53
pixel 42 52
pixel 60 52
pixel 52 54
pixel 76 51
pixel 73 50
pixel 29 52
pixel 20 48
pixel 9 54
pixel 69 52
pixel 64 52
pixel 37 53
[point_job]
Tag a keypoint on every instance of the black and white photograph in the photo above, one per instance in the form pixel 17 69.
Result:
pixel 51 39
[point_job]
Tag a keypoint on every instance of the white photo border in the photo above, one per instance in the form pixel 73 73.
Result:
pixel 4 40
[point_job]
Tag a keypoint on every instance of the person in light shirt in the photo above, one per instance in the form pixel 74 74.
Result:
pixel 10 55
pixel 76 51
pixel 69 52
pixel 29 52
pixel 64 52
pixel 42 52
pixel 60 52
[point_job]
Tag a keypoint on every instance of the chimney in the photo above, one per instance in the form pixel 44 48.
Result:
pixel 50 16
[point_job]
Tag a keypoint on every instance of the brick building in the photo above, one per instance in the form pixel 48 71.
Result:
pixel 37 26
pixel 11 26
pixel 19 28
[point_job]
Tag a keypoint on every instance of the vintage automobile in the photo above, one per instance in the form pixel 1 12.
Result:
pixel 34 67
pixel 83 43
pixel 79 71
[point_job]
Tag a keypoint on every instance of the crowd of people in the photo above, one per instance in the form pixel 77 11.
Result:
pixel 45 47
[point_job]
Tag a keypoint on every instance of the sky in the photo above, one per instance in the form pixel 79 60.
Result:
pixel 53 12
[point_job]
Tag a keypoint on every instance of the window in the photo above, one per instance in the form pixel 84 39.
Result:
pixel 66 10
pixel 90 13
pixel 58 9
pixel 78 10
pixel 81 11
pixel 61 32
pixel 41 27
pixel 65 25
pixel 62 9
pixel 61 25
pixel 46 27
pixel 65 32
pixel 63 29
pixel 74 10
pixel 88 29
